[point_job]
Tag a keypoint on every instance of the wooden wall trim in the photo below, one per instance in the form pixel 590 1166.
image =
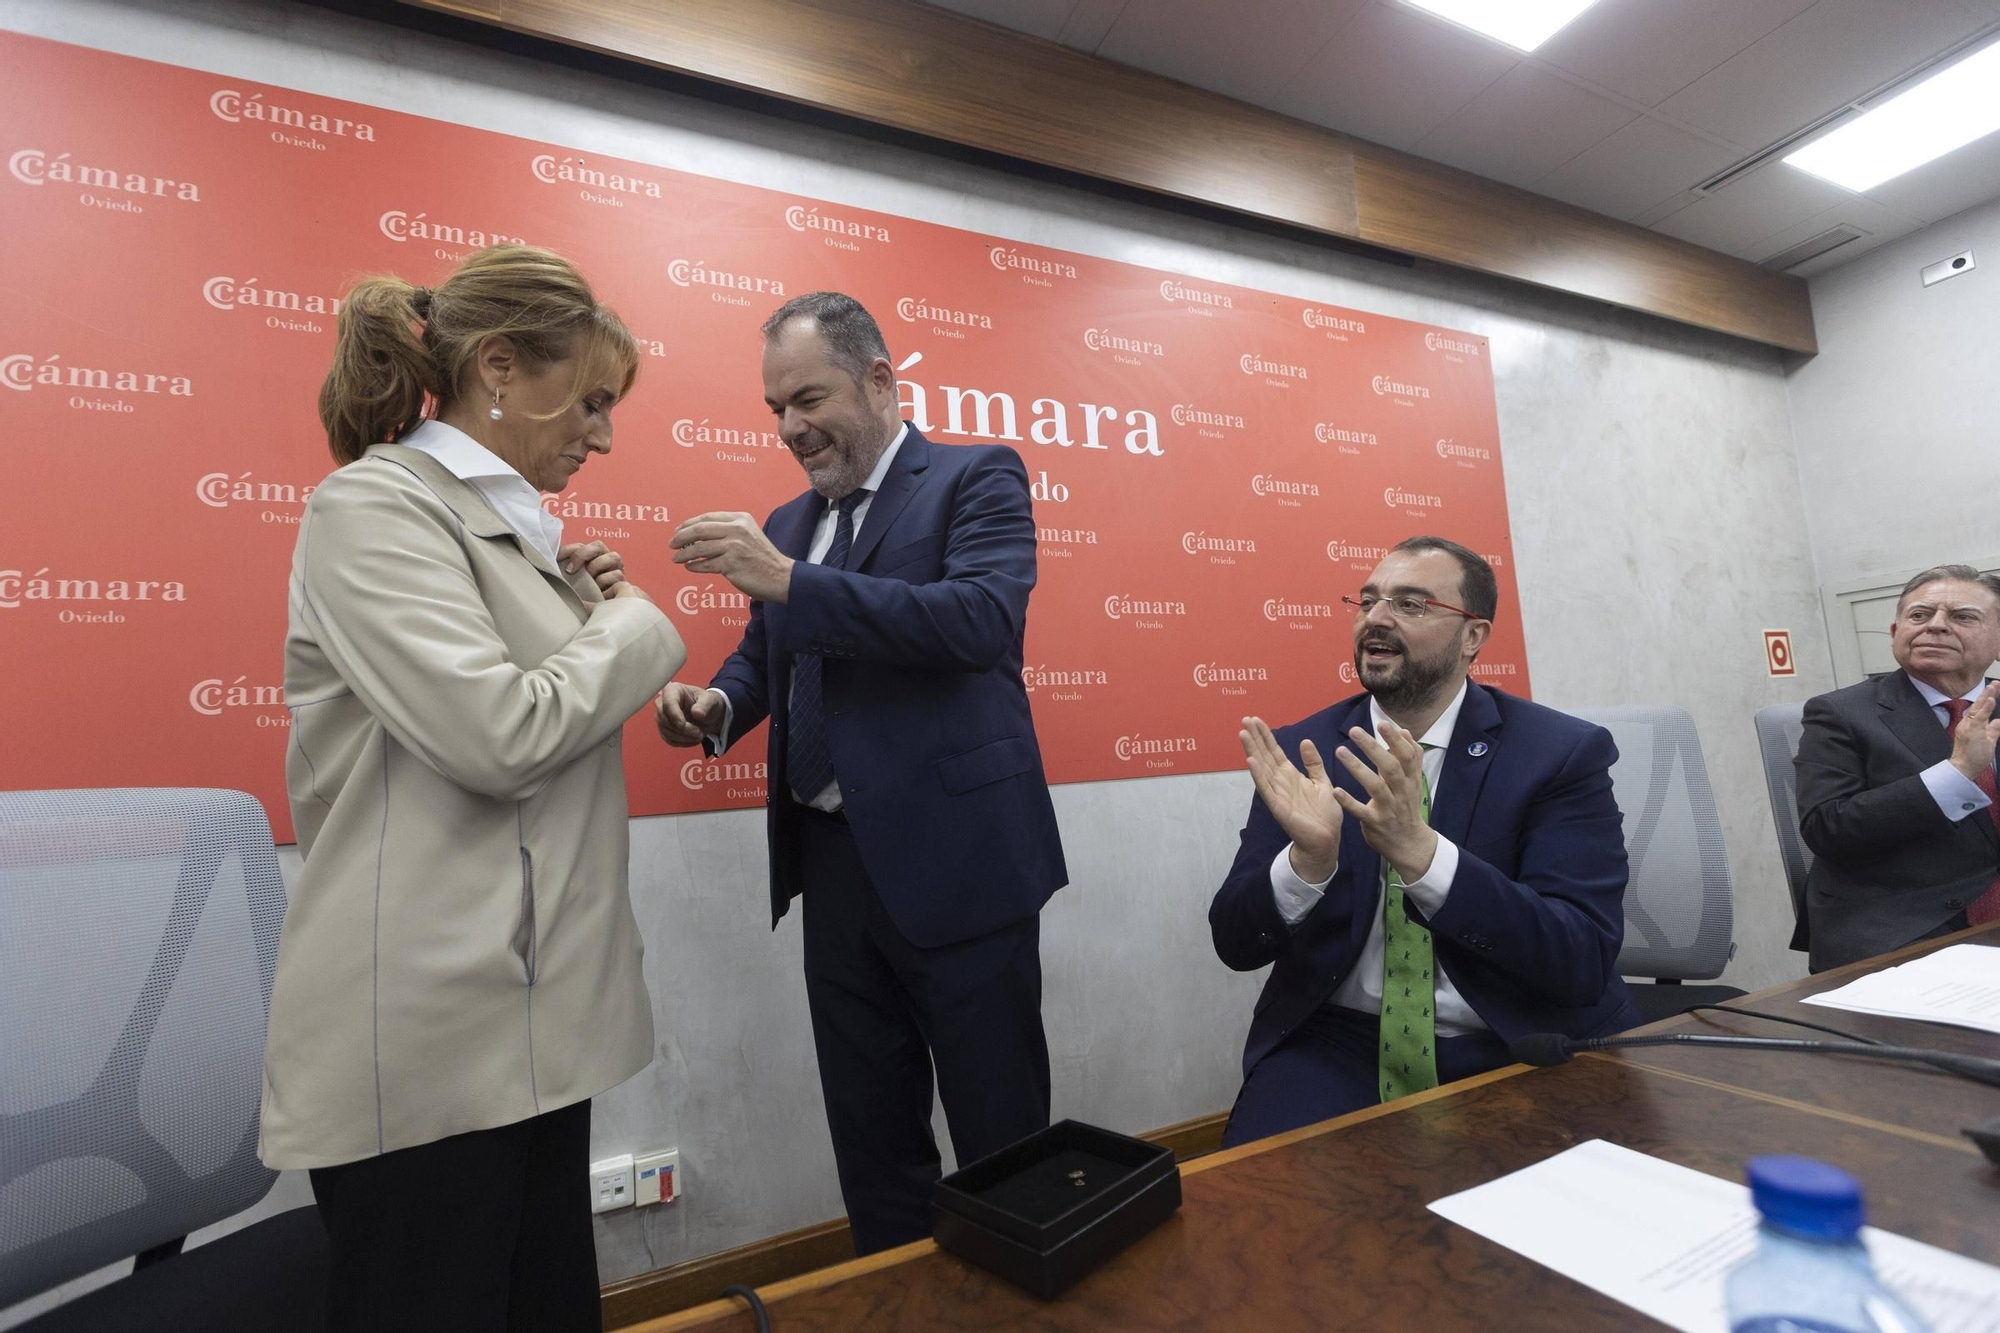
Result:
pixel 932 72
pixel 666 1291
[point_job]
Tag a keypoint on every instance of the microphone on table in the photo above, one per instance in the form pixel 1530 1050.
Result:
pixel 1553 1048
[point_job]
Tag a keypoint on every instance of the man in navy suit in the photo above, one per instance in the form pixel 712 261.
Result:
pixel 1456 884
pixel 907 799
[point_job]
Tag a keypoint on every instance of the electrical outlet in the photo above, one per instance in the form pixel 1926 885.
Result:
pixel 657 1177
pixel 611 1183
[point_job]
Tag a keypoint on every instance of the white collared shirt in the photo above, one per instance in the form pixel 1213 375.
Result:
pixel 518 504
pixel 829 797
pixel 1362 988
pixel 1956 794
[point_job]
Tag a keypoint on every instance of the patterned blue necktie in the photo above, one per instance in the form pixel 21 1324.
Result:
pixel 808 755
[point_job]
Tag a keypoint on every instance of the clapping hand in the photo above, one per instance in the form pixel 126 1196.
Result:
pixel 1392 819
pixel 1973 743
pixel 1303 803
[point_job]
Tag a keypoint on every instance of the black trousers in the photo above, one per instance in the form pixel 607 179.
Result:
pixel 480 1232
pixel 1327 1067
pixel 886 1013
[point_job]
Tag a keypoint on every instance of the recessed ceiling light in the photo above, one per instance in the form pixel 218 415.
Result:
pixel 1522 24
pixel 1948 110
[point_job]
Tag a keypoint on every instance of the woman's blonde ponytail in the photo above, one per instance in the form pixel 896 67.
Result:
pixel 382 372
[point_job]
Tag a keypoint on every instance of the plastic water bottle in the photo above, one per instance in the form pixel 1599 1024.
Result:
pixel 1811 1273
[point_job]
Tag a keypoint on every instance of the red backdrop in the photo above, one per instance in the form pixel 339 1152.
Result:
pixel 1213 466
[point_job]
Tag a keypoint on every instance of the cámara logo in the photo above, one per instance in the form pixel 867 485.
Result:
pixel 1438 342
pixel 1007 259
pixel 1277 608
pixel 218 490
pixel 602 511
pixel 1187 414
pixel 1466 454
pixel 1117 606
pixel 1066 536
pixel 32 166
pixel 919 310
pixel 1138 747
pixel 1361 557
pixel 21 373
pixel 1044 677
pixel 1393 497
pixel 400 226
pixel 835 230
pixel 551 170
pixel 1208 673
pixel 1104 340
pixel 1253 363
pixel 1387 388
pixel 698 774
pixel 694 599
pixel 1200 543
pixel 1179 293
pixel 210 697
pixel 1332 322
pixel 1264 484
pixel 1328 433
pixel 234 107
pixel 1051 424
pixel 687 433
pixel 17 587
pixel 697 273
pixel 235 294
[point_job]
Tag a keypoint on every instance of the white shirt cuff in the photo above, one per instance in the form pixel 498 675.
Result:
pixel 720 740
pixel 1956 794
pixel 1432 887
pixel 1294 896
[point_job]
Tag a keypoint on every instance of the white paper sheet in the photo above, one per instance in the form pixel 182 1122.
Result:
pixel 1661 1238
pixel 1959 986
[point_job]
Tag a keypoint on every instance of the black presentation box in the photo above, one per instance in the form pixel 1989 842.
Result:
pixel 1049 1209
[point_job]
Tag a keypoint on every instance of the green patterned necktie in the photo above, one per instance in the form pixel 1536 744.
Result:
pixel 1409 1026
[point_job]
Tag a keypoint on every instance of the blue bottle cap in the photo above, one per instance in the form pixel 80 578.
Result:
pixel 1806 1197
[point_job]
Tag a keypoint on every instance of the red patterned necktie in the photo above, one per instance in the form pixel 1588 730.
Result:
pixel 1987 906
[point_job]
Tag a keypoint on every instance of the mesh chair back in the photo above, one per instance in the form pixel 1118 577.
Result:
pixel 1679 912
pixel 1778 729
pixel 141 932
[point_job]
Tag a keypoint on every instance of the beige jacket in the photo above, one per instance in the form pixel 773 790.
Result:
pixel 459 952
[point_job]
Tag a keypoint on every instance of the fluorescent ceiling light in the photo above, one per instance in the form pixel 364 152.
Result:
pixel 1522 24
pixel 1947 110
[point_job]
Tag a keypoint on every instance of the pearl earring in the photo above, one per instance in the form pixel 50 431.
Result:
pixel 495 412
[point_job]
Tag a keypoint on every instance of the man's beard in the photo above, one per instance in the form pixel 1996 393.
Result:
pixel 1410 681
pixel 850 467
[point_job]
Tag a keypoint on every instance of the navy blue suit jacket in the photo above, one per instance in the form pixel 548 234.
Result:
pixel 926 713
pixel 1531 930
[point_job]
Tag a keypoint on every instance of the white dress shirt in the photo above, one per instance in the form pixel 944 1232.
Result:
pixel 1956 794
pixel 1362 988
pixel 518 504
pixel 829 797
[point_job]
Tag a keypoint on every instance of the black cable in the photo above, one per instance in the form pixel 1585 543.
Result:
pixel 756 1306
pixel 1795 1022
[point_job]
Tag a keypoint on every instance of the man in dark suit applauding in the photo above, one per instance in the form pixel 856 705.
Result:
pixel 1454 882
pixel 907 798
pixel 1896 780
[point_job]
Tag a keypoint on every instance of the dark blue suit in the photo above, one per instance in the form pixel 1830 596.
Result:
pixel 922 897
pixel 1531 929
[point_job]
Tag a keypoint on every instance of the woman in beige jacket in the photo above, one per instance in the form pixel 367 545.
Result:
pixel 460 970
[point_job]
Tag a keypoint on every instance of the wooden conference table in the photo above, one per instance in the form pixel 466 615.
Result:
pixel 1327 1227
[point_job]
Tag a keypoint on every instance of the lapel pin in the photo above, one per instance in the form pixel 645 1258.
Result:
pixel 1476 749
